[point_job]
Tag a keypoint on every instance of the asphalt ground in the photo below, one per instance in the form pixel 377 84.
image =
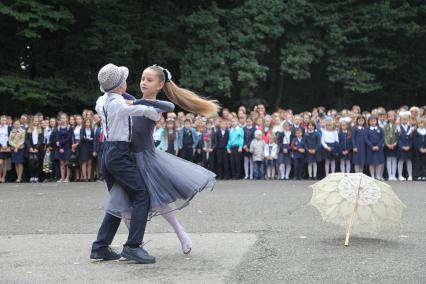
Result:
pixel 243 232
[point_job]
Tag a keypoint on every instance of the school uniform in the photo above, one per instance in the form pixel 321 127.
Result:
pixel 187 141
pixel 169 142
pixel 87 136
pixel 220 142
pixel 312 141
pixel 298 157
pixel 248 137
pixel 198 155
pixel 271 150
pixel 247 156
pixel 295 127
pixel 35 141
pixel 358 142
pixel 4 142
pixel 64 136
pixel 207 143
pixel 419 141
pixel 374 136
pixel 284 142
pixel 331 139
pixel 345 143
pixel 75 155
pixel 405 138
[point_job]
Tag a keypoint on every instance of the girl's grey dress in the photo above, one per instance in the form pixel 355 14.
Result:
pixel 169 179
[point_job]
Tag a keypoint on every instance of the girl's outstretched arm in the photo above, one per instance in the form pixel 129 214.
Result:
pixel 162 106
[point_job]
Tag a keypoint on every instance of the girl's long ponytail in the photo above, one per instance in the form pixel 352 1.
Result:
pixel 184 98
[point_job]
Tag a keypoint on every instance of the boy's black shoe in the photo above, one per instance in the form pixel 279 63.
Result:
pixel 105 254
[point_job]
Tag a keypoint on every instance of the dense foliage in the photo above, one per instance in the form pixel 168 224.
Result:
pixel 295 54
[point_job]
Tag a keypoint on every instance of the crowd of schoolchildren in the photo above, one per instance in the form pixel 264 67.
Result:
pixel 243 145
pixel 36 148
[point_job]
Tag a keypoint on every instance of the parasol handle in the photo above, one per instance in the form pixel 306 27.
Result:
pixel 351 220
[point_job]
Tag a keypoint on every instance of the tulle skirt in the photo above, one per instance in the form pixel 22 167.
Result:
pixel 169 179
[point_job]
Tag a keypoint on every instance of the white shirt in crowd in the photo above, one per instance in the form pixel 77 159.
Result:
pixel 271 149
pixel 157 134
pixel 46 134
pixel 406 128
pixel 4 135
pixel 117 112
pixel 329 137
pixel 421 131
pixel 88 132
pixel 77 132
pixel 35 136
pixel 287 137
pixel 100 102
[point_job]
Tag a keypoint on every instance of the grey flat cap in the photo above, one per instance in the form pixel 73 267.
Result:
pixel 111 76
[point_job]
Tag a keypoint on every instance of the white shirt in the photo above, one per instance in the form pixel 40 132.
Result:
pixel 47 132
pixel 286 138
pixel 4 137
pixel 273 151
pixel 405 126
pixel 77 132
pixel 421 131
pixel 329 137
pixel 88 132
pixel 118 111
pixel 35 136
pixel 100 102
pixel 157 134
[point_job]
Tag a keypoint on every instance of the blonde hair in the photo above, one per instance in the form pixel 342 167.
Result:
pixel 186 99
pixel 31 125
